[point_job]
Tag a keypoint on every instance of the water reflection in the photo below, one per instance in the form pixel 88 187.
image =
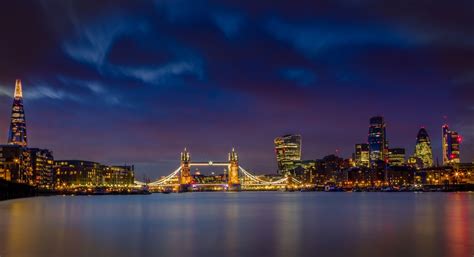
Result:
pixel 240 224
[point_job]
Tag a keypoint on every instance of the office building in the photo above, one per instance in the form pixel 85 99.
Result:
pixel 361 156
pixel 42 163
pixel 17 132
pixel 451 141
pixel 396 156
pixel 378 145
pixel 288 152
pixel 423 151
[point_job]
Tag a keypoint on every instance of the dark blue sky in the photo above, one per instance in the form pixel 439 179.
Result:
pixel 137 81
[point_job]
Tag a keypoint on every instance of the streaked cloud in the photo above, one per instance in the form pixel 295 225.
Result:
pixel 159 75
pixel 92 40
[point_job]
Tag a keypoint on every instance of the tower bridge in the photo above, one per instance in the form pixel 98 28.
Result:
pixel 237 179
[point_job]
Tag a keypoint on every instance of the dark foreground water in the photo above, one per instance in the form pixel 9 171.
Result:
pixel 240 224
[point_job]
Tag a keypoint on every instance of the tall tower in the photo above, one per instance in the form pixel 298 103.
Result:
pixel 378 145
pixel 185 176
pixel 423 150
pixel 17 133
pixel 233 168
pixel 288 152
pixel 450 142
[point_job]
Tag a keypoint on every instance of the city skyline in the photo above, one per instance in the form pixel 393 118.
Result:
pixel 139 90
pixel 288 148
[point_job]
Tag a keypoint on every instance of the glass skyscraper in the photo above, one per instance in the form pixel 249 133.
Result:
pixel 450 142
pixel 17 133
pixel 378 146
pixel 288 152
pixel 423 150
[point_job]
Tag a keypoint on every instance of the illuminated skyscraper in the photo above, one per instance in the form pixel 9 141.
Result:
pixel 450 141
pixel 423 150
pixel 378 145
pixel 361 156
pixel 17 133
pixel 288 151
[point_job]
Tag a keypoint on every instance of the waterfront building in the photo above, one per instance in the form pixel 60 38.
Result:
pixel 434 176
pixel 118 176
pixel 288 152
pixel 423 156
pixel 15 164
pixel 463 173
pixel 451 141
pixel 42 164
pixel 399 175
pixel 396 156
pixel 360 177
pixel 17 132
pixel 330 167
pixel 77 173
pixel 361 156
pixel 378 144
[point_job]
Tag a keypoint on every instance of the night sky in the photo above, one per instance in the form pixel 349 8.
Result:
pixel 137 81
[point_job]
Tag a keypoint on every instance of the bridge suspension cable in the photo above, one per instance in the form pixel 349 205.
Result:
pixel 261 181
pixel 165 179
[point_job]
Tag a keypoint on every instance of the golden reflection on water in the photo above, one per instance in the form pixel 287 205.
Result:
pixel 240 224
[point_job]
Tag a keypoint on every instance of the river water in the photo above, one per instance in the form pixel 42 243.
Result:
pixel 240 224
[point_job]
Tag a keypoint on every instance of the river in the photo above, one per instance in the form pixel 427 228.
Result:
pixel 251 224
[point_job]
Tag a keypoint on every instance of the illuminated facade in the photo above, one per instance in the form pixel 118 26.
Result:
pixel 185 176
pixel 423 156
pixel 17 132
pixel 233 168
pixel 361 156
pixel 78 173
pixel 378 145
pixel 450 142
pixel 288 152
pixel 15 164
pixel 396 156
pixel 42 164
pixel 116 176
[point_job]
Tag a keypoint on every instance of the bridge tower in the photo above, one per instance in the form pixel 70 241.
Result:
pixel 233 178
pixel 185 176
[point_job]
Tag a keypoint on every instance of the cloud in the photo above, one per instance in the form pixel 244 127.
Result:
pixel 93 40
pixel 48 92
pixel 161 74
pixel 40 91
pixel 95 87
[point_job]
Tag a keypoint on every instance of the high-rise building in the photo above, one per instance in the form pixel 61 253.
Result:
pixel 361 156
pixel 450 142
pixel 423 150
pixel 396 156
pixel 17 133
pixel 378 145
pixel 288 152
